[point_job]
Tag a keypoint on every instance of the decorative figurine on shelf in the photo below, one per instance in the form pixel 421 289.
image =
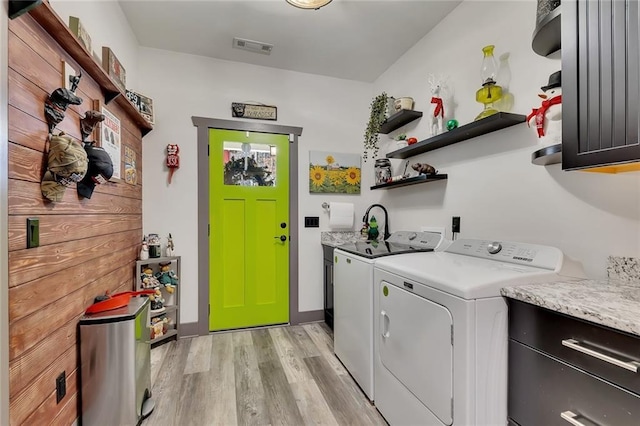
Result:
pixel 58 101
pixel 147 280
pixel 157 301
pixel 156 330
pixel 372 232
pixel 490 92
pixel 364 231
pixel 89 122
pixel 144 250
pixel 170 247
pixel 424 169
pixel 167 277
pixel 153 240
pixel 436 111
pixel 401 140
pixel 548 118
pixel 173 159
pixel 159 326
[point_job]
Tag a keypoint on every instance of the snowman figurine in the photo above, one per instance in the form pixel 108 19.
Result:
pixel 547 119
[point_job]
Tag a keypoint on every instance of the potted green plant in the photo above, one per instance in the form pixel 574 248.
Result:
pixel 376 118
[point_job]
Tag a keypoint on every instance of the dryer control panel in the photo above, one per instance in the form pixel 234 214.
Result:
pixel 538 256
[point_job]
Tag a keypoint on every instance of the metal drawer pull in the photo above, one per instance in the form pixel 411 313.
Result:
pixel 575 345
pixel 571 417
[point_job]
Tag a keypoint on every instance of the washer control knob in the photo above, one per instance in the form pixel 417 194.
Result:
pixel 494 247
pixel 412 236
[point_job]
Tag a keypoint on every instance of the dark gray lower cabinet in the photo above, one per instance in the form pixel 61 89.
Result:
pixel 566 371
pixel 328 285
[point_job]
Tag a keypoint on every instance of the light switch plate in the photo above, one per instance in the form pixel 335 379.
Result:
pixel 33 232
pixel 311 221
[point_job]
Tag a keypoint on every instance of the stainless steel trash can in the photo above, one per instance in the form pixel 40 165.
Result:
pixel 115 365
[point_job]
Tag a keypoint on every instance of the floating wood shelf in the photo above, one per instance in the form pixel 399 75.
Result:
pixel 410 181
pixel 398 120
pixel 167 335
pixel 167 310
pixel 490 124
pixel 52 24
pixel 547 155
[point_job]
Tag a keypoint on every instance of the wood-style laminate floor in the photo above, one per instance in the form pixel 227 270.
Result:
pixel 273 376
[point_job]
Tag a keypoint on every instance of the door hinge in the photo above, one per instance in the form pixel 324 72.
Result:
pixel 208 229
pixel 207 150
pixel 452 337
pixel 209 309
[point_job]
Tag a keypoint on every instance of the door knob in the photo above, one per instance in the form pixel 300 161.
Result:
pixel 282 238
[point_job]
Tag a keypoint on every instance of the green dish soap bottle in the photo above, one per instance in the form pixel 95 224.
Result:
pixel 373 232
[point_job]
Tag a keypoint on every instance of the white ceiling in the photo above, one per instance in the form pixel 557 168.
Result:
pixel 350 39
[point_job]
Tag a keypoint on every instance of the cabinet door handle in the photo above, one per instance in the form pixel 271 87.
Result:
pixel 576 346
pixel 571 417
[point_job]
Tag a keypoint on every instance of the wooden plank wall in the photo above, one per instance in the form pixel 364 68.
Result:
pixel 87 246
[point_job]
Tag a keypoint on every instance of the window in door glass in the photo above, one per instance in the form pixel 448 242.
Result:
pixel 249 164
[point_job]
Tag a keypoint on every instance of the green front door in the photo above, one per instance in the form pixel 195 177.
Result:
pixel 249 229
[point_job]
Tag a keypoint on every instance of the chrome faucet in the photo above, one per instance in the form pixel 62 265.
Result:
pixel 365 218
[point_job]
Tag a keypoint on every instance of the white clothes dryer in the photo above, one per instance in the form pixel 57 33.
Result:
pixel 440 347
pixel 353 297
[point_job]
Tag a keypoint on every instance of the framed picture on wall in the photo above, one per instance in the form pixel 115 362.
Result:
pixel 143 103
pixel 334 172
pixel 110 140
pixel 130 172
pixel 80 32
pixel 114 68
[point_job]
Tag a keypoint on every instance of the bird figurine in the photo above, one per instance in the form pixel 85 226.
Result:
pixel 547 119
pixel 424 169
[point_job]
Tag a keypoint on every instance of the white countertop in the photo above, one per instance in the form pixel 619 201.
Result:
pixel 612 303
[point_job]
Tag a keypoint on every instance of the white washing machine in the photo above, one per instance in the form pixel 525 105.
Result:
pixel 353 297
pixel 440 347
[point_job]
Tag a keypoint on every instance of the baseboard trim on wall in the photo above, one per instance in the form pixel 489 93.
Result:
pixel 309 316
pixel 189 329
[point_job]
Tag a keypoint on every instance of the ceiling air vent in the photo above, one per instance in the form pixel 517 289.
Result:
pixel 252 46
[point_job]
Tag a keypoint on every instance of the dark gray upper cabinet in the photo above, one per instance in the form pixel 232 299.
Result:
pixel 600 83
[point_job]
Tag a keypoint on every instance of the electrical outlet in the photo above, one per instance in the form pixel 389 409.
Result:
pixel 61 387
pixel 455 224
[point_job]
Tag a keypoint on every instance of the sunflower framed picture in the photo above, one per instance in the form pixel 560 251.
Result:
pixel 333 172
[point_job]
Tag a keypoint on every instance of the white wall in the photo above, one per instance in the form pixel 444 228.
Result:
pixel 332 113
pixel 106 24
pixel 4 248
pixel 492 184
